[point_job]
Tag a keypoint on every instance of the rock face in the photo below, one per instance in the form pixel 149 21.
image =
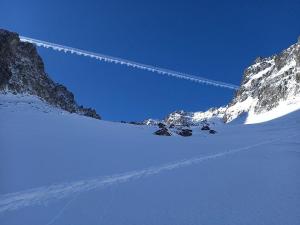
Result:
pixel 163 132
pixel 267 83
pixel 189 119
pixel 185 132
pixel 151 122
pixel 179 118
pixel 205 127
pixel 22 71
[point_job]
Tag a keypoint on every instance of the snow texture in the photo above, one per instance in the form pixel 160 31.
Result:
pixel 63 168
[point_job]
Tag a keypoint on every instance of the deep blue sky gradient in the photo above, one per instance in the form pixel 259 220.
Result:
pixel 213 39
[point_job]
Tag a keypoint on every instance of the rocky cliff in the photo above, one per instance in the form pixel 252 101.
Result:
pixel 267 85
pixel 22 71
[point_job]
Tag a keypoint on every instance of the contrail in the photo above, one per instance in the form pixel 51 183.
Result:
pixel 111 59
pixel 42 195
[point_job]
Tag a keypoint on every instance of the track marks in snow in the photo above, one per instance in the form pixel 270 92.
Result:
pixel 42 195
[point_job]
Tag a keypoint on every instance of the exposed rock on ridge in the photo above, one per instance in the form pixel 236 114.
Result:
pixel 267 83
pixel 22 71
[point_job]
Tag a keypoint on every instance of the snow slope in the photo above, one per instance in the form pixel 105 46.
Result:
pixel 62 168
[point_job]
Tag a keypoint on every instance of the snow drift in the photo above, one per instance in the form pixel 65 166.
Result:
pixel 63 168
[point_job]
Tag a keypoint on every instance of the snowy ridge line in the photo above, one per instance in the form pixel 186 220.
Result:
pixel 42 195
pixel 111 59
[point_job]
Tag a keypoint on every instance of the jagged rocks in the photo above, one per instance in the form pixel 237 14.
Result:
pixel 190 119
pixel 266 83
pixel 88 112
pixel 205 127
pixel 135 123
pixel 163 132
pixel 171 126
pixel 185 132
pixel 179 118
pixel 22 71
pixel 132 122
pixel 161 125
pixel 151 122
pixel 166 132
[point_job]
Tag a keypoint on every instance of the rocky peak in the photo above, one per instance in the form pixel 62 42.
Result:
pixel 179 118
pixel 22 71
pixel 188 119
pixel 267 83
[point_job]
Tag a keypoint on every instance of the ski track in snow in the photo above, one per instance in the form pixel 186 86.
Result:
pixel 129 63
pixel 42 195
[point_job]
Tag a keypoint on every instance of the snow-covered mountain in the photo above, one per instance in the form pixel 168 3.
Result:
pixel 195 118
pixel 63 168
pixel 60 165
pixel 22 71
pixel 270 88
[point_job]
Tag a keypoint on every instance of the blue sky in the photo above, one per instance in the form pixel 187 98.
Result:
pixel 213 39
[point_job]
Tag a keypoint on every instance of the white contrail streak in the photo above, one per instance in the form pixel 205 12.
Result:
pixel 129 63
pixel 42 195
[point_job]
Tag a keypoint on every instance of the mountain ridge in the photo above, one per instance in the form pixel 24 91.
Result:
pixel 268 84
pixel 22 71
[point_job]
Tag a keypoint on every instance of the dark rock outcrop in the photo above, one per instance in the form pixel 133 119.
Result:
pixel 212 131
pixel 161 125
pixel 185 132
pixel 136 123
pixel 172 126
pixel 22 71
pixel 163 132
pixel 205 127
pixel 190 119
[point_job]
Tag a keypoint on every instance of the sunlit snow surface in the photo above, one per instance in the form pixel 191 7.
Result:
pixel 61 168
pixel 284 108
